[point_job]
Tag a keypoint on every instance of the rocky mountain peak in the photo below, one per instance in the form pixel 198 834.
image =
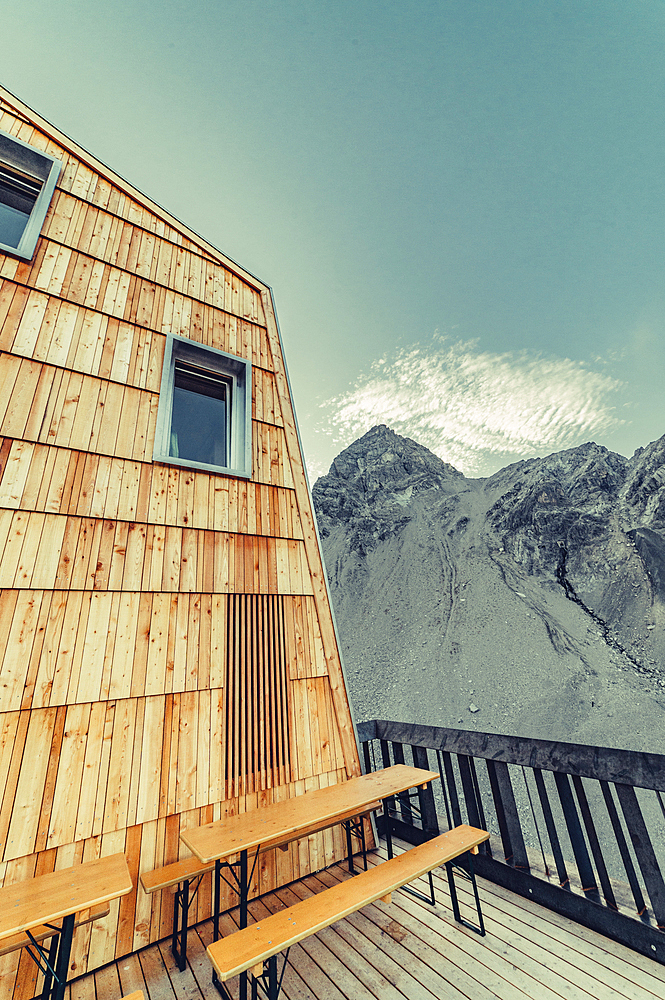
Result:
pixel 371 484
pixel 537 594
pixel 381 458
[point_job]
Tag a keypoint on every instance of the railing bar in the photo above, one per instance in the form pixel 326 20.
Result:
pixel 452 787
pixel 628 865
pixel 660 800
pixel 555 844
pixel 469 791
pixel 385 758
pixel 643 847
pixel 474 778
pixel 366 755
pixel 511 815
pixel 535 822
pixel 398 755
pixel 444 790
pixel 500 812
pixel 582 859
pixel 428 817
pixel 594 843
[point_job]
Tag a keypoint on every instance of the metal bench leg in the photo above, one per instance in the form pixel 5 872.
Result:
pixel 388 830
pixel 421 895
pixel 54 962
pixel 349 846
pixel 243 879
pixel 50 966
pixel 180 921
pixel 64 951
pixel 270 982
pixel 355 829
pixel 470 875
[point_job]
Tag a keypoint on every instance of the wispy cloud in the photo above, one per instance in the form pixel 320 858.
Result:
pixel 475 409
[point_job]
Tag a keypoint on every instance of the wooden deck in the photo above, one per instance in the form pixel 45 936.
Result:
pixel 408 950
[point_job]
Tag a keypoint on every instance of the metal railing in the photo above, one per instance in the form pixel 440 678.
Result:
pixel 579 829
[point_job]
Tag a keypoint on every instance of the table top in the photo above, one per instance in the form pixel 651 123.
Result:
pixel 45 898
pixel 281 822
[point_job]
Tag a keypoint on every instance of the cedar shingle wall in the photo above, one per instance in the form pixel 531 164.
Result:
pixel 166 648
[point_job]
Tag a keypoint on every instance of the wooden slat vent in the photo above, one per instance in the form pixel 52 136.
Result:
pixel 256 694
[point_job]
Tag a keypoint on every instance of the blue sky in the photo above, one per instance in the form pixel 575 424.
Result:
pixel 460 205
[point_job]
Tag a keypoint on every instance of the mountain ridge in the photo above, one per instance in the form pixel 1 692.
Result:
pixel 535 595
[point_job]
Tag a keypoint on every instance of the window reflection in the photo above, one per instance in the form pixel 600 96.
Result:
pixel 200 418
pixel 18 194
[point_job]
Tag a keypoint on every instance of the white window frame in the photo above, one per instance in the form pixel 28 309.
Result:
pixel 238 372
pixel 43 168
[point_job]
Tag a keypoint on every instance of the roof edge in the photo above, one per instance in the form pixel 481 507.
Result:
pixel 14 104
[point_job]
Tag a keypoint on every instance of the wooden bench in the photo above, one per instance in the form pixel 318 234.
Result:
pixel 56 899
pixel 255 947
pixel 181 874
pixel 43 933
pixel 137 995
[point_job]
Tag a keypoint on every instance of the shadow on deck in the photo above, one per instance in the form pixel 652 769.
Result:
pixel 408 950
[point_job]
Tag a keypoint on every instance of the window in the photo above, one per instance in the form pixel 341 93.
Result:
pixel 27 181
pixel 204 417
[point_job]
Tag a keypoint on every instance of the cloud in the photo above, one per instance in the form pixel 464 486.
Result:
pixel 476 409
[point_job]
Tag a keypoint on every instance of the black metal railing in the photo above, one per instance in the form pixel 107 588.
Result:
pixel 579 829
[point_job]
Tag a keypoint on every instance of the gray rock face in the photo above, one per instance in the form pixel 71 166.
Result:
pixel 536 596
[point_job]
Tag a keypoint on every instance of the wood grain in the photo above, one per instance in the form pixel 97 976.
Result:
pixel 166 652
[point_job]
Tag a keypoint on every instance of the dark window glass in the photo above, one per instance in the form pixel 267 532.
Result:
pixel 18 194
pixel 200 418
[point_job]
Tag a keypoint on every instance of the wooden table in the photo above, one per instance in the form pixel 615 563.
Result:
pixel 60 894
pixel 279 823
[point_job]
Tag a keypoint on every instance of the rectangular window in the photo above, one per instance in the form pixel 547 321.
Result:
pixel 27 181
pixel 204 416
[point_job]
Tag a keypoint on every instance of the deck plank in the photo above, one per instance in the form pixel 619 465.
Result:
pixel 131 975
pixel 407 950
pixel 466 975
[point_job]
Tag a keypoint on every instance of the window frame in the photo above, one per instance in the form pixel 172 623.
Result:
pixel 228 366
pixel 43 167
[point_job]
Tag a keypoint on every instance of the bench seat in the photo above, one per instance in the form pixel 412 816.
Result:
pixel 173 874
pixel 43 933
pixel 248 948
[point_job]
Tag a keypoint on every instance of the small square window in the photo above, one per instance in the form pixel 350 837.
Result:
pixel 27 181
pixel 204 419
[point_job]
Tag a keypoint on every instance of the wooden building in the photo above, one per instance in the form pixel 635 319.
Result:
pixel 167 651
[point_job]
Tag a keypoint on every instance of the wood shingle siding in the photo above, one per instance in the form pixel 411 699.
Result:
pixel 167 652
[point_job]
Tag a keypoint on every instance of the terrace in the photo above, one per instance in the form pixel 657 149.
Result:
pixel 577 832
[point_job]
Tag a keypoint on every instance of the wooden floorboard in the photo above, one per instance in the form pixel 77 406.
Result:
pixel 407 950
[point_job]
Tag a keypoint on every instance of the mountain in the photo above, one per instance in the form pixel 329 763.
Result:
pixel 531 602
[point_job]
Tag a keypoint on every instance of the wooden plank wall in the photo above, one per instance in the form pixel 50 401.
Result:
pixel 167 654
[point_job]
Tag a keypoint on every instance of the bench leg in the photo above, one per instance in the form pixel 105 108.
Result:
pixel 64 951
pixel 388 831
pixel 54 963
pixel 243 879
pixel 471 876
pixel 421 895
pixel 270 982
pixel 356 829
pixel 50 966
pixel 180 921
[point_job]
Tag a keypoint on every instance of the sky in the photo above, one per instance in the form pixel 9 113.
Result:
pixel 459 205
